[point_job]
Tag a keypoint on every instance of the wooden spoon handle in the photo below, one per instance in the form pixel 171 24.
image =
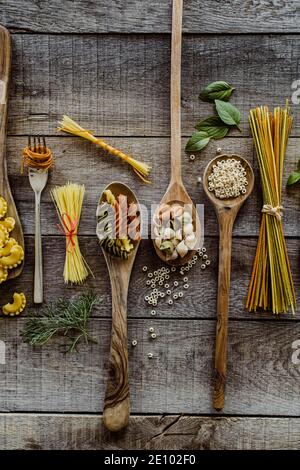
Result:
pixel 117 402
pixel 5 60
pixel 176 91
pixel 226 220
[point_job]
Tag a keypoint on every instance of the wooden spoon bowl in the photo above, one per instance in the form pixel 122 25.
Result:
pixel 232 202
pixel 226 210
pixel 177 195
pixel 117 402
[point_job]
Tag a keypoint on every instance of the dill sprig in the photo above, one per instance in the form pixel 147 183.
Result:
pixel 63 317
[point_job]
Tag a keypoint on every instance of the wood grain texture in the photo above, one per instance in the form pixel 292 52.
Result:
pixel 199 301
pixel 116 85
pixel 176 432
pixel 226 212
pixel 155 17
pixel 117 399
pixel 5 191
pixel 175 92
pixel 176 192
pixel 261 379
pixel 80 161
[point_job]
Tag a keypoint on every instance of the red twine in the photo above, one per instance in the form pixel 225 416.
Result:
pixel 70 231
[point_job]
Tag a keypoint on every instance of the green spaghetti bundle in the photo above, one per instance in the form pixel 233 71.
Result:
pixel 271 286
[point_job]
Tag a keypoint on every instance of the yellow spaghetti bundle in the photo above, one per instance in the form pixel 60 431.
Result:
pixel 71 127
pixel 271 286
pixel 68 202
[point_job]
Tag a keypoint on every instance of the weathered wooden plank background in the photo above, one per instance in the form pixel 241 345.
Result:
pixel 108 66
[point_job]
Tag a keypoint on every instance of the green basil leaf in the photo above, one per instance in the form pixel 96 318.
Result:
pixel 293 178
pixel 228 113
pixel 214 127
pixel 197 142
pixel 216 91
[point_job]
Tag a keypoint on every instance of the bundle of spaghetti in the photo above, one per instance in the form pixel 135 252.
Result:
pixel 271 286
pixel 40 158
pixel 68 202
pixel 68 125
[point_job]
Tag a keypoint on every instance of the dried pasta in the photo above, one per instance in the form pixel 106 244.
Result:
pixel 119 227
pixel 11 255
pixel 4 236
pixel 40 158
pixel 9 223
pixel 3 274
pixel 14 258
pixel 17 306
pixel 68 201
pixel 3 207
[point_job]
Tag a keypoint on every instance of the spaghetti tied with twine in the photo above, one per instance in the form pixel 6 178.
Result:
pixel 69 231
pixel 271 287
pixel 68 202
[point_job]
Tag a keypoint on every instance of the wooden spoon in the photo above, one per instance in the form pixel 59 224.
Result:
pixel 5 60
pixel 176 192
pixel 226 210
pixel 117 402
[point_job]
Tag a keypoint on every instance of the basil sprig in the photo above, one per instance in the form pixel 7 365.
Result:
pixel 295 176
pixel 218 126
pixel 197 142
pixel 214 127
pixel 216 91
pixel 228 113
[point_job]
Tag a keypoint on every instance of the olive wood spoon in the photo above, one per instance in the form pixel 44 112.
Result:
pixel 117 402
pixel 5 61
pixel 176 192
pixel 226 211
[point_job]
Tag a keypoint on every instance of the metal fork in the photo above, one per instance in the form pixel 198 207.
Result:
pixel 38 180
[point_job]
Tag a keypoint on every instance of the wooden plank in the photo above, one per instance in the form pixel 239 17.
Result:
pixel 115 85
pixel 198 302
pixel 86 432
pixel 80 161
pixel 262 379
pixel 155 17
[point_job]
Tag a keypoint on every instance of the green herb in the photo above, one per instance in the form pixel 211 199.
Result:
pixel 64 317
pixel 295 176
pixel 197 142
pixel 216 91
pixel 214 127
pixel 228 113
